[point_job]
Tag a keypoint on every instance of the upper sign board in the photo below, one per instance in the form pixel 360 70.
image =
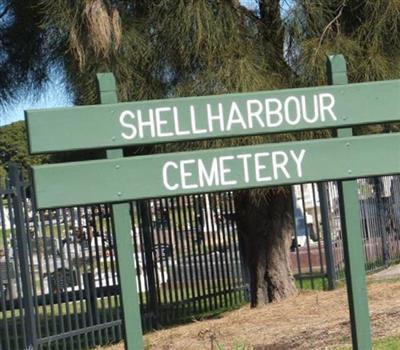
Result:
pixel 124 179
pixel 195 118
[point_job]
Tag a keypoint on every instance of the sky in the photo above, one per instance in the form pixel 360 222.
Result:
pixel 55 94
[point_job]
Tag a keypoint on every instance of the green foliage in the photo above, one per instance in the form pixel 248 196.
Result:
pixel 387 343
pixel 365 32
pixel 99 36
pixel 14 147
pixel 24 58
pixel 213 48
pixel 3 175
pixel 165 48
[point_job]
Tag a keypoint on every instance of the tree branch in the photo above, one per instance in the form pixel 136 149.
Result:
pixel 273 30
pixel 330 24
pixel 235 4
pixel 4 12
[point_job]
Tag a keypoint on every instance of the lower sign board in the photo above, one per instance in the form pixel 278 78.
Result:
pixel 161 175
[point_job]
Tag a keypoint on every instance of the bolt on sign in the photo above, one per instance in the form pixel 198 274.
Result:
pixel 118 179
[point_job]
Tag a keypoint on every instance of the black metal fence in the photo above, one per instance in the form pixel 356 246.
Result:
pixel 380 222
pixel 59 285
pixel 319 235
pixel 58 279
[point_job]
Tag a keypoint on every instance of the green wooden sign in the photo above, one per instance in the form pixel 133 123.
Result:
pixel 144 122
pixel 154 176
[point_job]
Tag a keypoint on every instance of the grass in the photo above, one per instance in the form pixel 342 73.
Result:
pixel 386 343
pixel 316 283
pixel 309 283
pixel 389 343
pixel 7 233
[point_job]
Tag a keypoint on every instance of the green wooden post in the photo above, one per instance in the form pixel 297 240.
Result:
pixel 352 234
pixel 121 221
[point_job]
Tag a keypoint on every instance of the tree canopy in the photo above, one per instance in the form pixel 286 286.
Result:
pixel 14 147
pixel 163 48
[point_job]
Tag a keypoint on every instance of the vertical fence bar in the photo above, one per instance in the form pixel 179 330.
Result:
pixel 80 270
pixel 204 214
pixel 29 313
pixel 43 330
pixel 18 328
pixel 189 307
pixel 191 261
pixel 195 243
pixel 56 281
pixel 241 283
pixel 381 211
pixel 6 277
pixel 326 232
pixel 30 231
pixel 149 266
pixel 172 282
pixel 371 226
pixel 295 241
pixel 229 262
pixel 102 250
pixel 158 262
pixel 108 270
pixel 310 274
pixel 121 222
pixel 142 280
pixel 70 264
pixel 393 219
pixel 181 290
pixel 336 230
pixel 199 225
pixel 317 216
pixel 48 269
pixel 165 254
pixel 352 236
pixel 224 250
pixel 215 244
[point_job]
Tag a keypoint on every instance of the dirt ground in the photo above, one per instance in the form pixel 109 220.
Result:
pixel 310 320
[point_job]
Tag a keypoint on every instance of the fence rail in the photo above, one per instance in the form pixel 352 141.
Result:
pixel 187 258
